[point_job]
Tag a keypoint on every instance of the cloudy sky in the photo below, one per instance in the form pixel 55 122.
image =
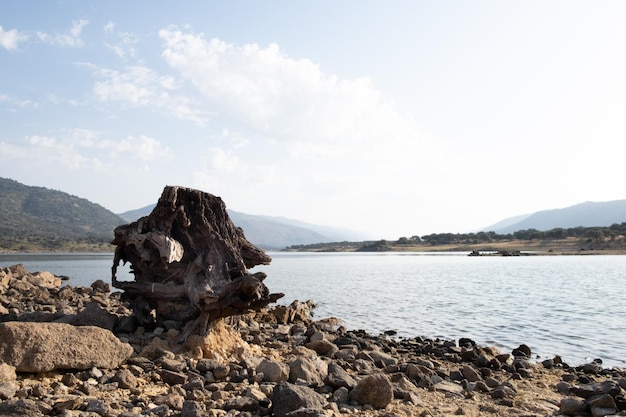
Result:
pixel 389 118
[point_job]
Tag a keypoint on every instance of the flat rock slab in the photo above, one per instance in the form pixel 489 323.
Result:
pixel 43 347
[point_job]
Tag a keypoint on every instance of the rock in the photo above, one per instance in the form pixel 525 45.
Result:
pixel 172 378
pixel 466 342
pixel 382 359
pixel 95 315
pixel 7 373
pixel 572 406
pixel 322 347
pixel 289 397
pixel 449 387
pixel 241 404
pixel 296 311
pixel 338 377
pixel 24 408
pixel 174 365
pixel 597 388
pixel 313 370
pixel 125 379
pixel 192 409
pixel 101 286
pixel 42 347
pixel 7 390
pixel 592 368
pixel 43 279
pixel 375 390
pixel 602 405
pixel 273 371
pixel 470 374
pixel 522 351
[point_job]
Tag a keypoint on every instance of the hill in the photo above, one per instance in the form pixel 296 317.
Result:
pixel 588 214
pixel 38 218
pixel 270 232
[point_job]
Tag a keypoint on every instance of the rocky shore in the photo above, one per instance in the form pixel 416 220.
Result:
pixel 78 351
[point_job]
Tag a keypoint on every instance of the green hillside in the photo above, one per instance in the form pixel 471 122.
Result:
pixel 37 218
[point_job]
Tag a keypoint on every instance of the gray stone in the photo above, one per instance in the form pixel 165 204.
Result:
pixel 171 377
pixel 7 390
pixel 273 371
pixel 382 359
pixel 100 407
pixel 597 388
pixel 241 404
pixel 602 401
pixel 42 347
pixel 221 371
pixel 172 364
pixel 192 409
pixel 341 395
pixel 563 387
pixel 470 374
pixel 125 379
pixel 338 377
pixel 323 347
pixel 312 370
pixel 24 408
pixel 7 373
pixel 592 368
pixel 449 387
pixel 95 315
pixel 289 397
pixel 375 390
pixel 572 406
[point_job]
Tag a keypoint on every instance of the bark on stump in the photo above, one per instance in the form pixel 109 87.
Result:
pixel 190 263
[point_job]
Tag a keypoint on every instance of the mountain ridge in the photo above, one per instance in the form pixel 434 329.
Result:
pixel 587 214
pixel 38 218
pixel 41 218
pixel 272 232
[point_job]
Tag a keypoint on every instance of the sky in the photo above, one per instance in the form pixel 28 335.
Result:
pixel 391 119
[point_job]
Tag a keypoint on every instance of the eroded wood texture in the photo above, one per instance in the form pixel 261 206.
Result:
pixel 190 263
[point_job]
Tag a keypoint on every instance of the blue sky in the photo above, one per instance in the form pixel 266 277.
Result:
pixel 392 119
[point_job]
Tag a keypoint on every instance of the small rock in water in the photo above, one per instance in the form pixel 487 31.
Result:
pixel 522 350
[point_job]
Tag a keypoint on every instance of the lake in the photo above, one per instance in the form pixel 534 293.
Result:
pixel 572 306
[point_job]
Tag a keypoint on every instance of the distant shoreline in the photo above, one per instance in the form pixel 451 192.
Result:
pixel 542 247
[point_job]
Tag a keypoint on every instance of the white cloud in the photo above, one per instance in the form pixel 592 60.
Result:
pixel 140 86
pixel 123 44
pixel 109 27
pixel 313 114
pixel 17 102
pixel 139 147
pixel 88 150
pixel 71 39
pixel 10 39
pixel 222 161
pixel 305 131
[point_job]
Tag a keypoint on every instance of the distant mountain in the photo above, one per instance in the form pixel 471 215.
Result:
pixel 41 218
pixel 589 214
pixel 270 232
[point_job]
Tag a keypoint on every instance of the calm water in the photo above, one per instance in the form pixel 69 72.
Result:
pixel 567 305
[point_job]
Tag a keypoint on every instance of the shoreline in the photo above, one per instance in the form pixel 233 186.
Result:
pixel 274 363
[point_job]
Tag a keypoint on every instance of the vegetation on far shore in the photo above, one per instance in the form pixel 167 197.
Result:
pixel 577 240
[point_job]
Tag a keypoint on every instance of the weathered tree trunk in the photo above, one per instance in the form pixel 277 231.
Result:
pixel 190 262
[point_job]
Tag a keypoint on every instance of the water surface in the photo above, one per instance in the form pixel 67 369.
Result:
pixel 572 306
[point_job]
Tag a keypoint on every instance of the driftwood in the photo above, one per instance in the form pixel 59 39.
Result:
pixel 190 263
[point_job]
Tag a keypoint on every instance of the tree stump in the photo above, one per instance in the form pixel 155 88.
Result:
pixel 190 263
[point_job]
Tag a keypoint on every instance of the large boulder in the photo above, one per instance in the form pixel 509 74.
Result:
pixel 42 347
